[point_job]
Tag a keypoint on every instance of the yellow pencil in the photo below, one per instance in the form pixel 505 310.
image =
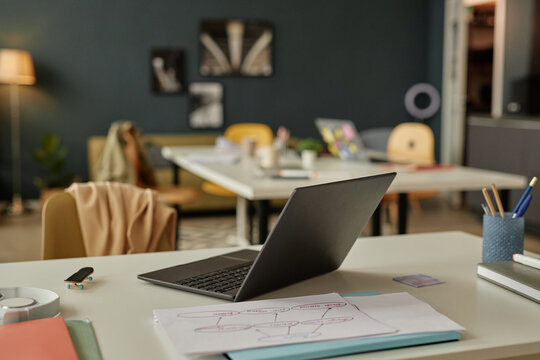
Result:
pixel 488 200
pixel 498 200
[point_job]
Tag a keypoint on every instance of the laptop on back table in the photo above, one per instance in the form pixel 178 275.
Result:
pixel 313 235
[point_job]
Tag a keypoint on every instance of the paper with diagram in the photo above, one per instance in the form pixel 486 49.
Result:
pixel 237 326
pixel 405 313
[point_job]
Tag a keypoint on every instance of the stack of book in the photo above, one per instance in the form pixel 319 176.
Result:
pixel 521 276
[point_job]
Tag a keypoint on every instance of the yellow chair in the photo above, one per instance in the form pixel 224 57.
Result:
pixel 410 143
pixel 61 229
pixel 263 136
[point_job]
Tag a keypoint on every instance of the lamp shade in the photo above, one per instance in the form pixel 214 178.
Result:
pixel 16 67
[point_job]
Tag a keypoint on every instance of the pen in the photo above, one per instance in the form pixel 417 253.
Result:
pixel 498 200
pixel 527 260
pixel 488 200
pixel 527 191
pixel 523 207
pixel 486 210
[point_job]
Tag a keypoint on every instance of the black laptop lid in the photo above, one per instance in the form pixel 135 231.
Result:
pixel 314 232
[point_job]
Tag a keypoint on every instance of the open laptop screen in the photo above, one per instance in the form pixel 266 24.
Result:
pixel 341 138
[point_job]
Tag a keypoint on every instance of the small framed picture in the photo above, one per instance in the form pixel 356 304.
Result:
pixel 206 105
pixel 236 48
pixel 167 69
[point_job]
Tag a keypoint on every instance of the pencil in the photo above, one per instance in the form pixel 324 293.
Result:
pixel 488 200
pixel 498 200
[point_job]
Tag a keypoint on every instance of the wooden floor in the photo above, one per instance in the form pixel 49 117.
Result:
pixel 20 237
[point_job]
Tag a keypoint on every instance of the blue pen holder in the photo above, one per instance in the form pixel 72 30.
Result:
pixel 502 237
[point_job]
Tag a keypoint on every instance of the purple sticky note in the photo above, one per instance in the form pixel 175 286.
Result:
pixel 418 280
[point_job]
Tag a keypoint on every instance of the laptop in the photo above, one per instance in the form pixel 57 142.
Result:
pixel 342 139
pixel 313 234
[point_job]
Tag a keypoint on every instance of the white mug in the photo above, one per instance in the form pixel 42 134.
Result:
pixel 248 147
pixel 308 159
pixel 268 157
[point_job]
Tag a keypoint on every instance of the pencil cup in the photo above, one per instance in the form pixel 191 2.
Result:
pixel 502 237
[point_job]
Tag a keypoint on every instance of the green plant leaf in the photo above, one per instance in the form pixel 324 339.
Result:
pixel 51 156
pixel 309 144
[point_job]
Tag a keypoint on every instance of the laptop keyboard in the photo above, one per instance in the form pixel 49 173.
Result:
pixel 218 281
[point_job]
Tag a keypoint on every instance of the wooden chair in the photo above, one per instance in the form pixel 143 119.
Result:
pixel 175 195
pixel 410 143
pixel 61 229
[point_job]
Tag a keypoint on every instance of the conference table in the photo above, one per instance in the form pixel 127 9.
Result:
pixel 243 176
pixel 499 323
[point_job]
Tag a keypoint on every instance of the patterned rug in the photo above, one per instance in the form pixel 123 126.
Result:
pixel 211 231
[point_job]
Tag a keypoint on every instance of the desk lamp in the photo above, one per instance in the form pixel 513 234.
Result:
pixel 16 68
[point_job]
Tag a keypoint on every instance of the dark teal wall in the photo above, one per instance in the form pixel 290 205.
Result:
pixel 351 59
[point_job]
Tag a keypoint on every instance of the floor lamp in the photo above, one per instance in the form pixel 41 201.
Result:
pixel 16 68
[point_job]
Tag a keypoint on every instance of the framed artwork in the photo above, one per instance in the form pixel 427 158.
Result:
pixel 205 105
pixel 167 69
pixel 236 48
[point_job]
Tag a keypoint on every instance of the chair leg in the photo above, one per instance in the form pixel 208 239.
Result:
pixel 415 205
pixel 393 212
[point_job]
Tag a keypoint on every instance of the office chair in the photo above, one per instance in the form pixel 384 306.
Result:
pixel 376 138
pixel 175 195
pixel 410 143
pixel 61 229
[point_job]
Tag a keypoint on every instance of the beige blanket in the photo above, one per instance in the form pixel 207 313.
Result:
pixel 123 157
pixel 122 219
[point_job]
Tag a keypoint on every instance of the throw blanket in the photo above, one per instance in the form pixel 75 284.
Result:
pixel 122 219
pixel 123 158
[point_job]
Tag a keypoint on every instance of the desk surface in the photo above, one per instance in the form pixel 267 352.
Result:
pixel 499 323
pixel 243 178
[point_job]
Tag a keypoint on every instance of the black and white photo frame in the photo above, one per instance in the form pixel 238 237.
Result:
pixel 236 48
pixel 205 105
pixel 167 69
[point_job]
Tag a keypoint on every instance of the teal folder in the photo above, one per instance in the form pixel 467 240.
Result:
pixel 318 350
pixel 84 339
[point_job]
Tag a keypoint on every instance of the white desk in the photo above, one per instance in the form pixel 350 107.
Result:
pixel 243 178
pixel 499 323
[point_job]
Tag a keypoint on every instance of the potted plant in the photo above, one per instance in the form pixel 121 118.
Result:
pixel 309 149
pixel 51 157
pixel 309 144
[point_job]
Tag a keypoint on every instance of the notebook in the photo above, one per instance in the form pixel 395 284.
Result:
pixel 46 338
pixel 84 339
pixel 521 279
pixel 342 139
pixel 312 236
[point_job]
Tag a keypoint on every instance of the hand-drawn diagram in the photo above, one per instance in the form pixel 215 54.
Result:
pixel 227 327
pixel 325 308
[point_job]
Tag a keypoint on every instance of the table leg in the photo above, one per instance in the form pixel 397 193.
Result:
pixel 402 213
pixel 263 211
pixel 241 220
pixel 376 222
pixel 176 178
